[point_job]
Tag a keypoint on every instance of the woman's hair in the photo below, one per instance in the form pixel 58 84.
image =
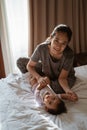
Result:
pixel 62 28
pixel 61 108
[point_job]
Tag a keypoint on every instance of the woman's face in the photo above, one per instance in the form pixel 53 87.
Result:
pixel 59 43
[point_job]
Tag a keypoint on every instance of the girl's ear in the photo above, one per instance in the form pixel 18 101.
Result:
pixel 46 108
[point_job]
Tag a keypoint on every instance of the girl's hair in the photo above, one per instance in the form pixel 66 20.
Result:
pixel 61 108
pixel 62 28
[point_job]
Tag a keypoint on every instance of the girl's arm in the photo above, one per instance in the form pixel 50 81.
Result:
pixel 69 97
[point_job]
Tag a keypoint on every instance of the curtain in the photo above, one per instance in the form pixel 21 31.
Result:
pixel 6 51
pixel 14 32
pixel 44 15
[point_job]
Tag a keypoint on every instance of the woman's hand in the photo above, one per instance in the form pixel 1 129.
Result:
pixel 43 81
pixel 72 95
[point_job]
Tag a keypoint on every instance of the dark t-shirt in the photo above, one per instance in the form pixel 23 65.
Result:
pixel 52 67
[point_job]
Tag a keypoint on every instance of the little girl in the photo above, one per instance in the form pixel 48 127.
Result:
pixel 46 97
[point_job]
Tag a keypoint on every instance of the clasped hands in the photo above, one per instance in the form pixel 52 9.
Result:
pixel 72 96
pixel 43 81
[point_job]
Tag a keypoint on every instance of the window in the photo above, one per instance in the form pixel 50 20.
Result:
pixel 16 12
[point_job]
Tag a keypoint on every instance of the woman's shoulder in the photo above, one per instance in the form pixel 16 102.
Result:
pixel 42 45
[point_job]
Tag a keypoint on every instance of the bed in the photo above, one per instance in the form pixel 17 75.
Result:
pixel 19 111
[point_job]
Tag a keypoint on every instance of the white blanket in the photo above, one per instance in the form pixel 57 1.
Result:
pixel 19 111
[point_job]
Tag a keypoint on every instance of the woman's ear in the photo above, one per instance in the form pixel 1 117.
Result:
pixel 50 35
pixel 48 39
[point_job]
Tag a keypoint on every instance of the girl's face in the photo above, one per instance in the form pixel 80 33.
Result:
pixel 51 101
pixel 59 43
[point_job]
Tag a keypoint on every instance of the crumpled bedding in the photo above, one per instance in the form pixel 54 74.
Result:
pixel 19 111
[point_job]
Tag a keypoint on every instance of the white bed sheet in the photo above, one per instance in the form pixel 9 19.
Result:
pixel 19 111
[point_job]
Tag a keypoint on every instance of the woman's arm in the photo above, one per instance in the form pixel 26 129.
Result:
pixel 63 80
pixel 43 81
pixel 31 68
pixel 64 84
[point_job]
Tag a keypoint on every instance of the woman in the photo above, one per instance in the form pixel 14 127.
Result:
pixel 55 59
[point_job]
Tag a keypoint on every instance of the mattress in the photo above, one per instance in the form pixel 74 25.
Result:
pixel 19 111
